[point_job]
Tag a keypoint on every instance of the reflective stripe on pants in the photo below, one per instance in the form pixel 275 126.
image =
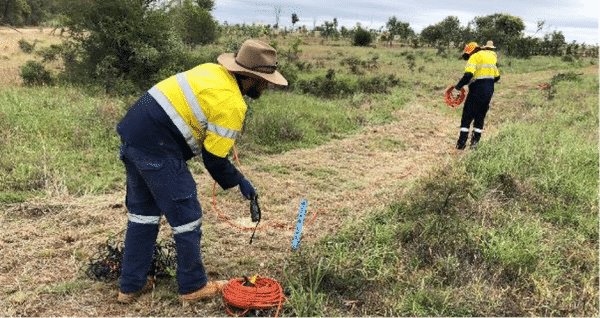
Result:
pixel 155 187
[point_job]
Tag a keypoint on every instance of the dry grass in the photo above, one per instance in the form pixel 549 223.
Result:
pixel 45 243
pixel 11 56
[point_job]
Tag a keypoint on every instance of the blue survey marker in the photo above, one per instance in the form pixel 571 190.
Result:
pixel 301 215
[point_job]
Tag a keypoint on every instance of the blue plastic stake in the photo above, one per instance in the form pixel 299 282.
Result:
pixel 301 215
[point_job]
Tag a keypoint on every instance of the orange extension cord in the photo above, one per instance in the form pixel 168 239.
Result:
pixel 275 224
pixel 453 101
pixel 266 294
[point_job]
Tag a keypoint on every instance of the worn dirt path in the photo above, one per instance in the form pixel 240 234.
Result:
pixel 45 242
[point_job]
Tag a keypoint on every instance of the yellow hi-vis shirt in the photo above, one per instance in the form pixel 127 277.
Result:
pixel 483 65
pixel 206 105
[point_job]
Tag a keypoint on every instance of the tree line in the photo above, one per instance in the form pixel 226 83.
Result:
pixel 127 45
pixel 505 30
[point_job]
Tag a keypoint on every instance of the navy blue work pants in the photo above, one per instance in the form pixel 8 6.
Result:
pixel 477 105
pixel 160 186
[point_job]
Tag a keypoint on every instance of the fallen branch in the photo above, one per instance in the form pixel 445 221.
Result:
pixel 10 26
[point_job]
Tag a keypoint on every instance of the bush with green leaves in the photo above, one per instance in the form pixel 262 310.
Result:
pixel 26 46
pixel 336 86
pixel 50 53
pixel 194 24
pixel 289 71
pixel 34 73
pixel 362 37
pixel 123 44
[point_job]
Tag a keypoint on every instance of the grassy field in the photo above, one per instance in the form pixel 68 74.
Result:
pixel 406 225
pixel 508 230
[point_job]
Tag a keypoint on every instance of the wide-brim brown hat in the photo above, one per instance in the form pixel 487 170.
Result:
pixel 254 58
pixel 489 45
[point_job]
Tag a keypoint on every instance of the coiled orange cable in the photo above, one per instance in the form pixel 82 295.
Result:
pixel 454 101
pixel 266 294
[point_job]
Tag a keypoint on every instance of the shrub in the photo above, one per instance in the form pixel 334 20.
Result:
pixel 34 73
pixel 362 37
pixel 26 46
pixel 289 71
pixel 185 60
pixel 194 24
pixel 111 48
pixel 292 54
pixel 568 76
pixel 233 44
pixel 354 63
pixel 332 86
pixel 568 59
pixel 50 53
pixel 378 84
pixel 327 86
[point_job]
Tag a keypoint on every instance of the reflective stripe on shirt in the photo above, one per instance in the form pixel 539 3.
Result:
pixel 207 100
pixel 493 66
pixel 191 99
pixel 485 70
pixel 223 132
pixel 178 121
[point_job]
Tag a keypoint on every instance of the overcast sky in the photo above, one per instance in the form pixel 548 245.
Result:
pixel 577 19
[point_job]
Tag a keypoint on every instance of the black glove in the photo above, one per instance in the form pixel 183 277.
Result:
pixel 247 189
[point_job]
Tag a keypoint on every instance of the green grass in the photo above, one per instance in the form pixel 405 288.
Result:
pixel 555 151
pixel 57 139
pixel 541 63
pixel 509 229
pixel 281 121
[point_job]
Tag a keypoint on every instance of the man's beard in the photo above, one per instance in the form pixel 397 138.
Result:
pixel 253 93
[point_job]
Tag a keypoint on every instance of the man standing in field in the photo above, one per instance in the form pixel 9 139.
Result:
pixel 198 112
pixel 481 72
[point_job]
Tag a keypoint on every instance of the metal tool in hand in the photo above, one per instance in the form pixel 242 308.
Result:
pixel 254 213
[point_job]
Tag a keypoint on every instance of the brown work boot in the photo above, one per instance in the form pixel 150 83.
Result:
pixel 124 298
pixel 211 289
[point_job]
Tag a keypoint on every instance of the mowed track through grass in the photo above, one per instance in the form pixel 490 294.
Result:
pixel 405 225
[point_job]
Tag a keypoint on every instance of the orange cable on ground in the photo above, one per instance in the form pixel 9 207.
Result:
pixel 454 101
pixel 266 294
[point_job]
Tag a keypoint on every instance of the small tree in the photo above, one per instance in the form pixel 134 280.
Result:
pixel 362 37
pixel 119 43
pixel 450 31
pixel 500 28
pixel 401 29
pixel 329 29
pixel 431 34
pixel 277 15
pixel 294 19
pixel 194 23
pixel 207 5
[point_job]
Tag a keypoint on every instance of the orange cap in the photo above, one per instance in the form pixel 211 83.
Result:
pixel 470 47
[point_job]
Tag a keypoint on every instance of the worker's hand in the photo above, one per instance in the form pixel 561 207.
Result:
pixel 247 189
